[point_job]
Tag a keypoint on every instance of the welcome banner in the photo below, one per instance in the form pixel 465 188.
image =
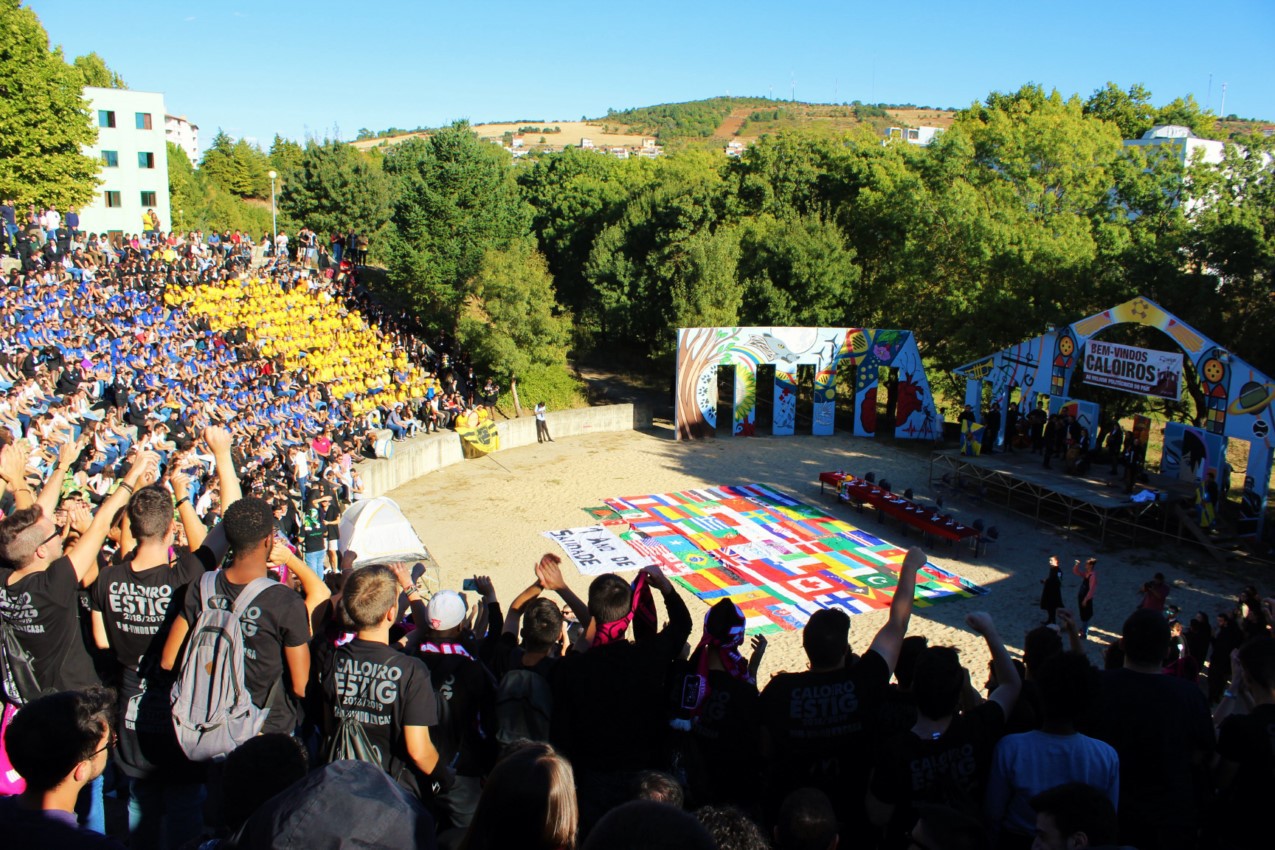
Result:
pixel 1133 370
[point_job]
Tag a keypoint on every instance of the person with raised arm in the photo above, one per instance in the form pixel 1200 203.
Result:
pixel 819 724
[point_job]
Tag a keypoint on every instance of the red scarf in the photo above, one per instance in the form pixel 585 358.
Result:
pixel 641 614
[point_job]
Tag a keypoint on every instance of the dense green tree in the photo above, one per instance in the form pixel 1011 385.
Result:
pixel 198 204
pixel 575 194
pixel 1232 249
pixel 93 71
pixel 285 156
pixel 666 263
pixel 456 199
pixel 509 322
pixel 236 166
pixel 334 187
pixel 44 122
pixel 1130 109
pixel 798 270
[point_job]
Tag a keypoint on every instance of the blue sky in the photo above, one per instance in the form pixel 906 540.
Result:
pixel 323 68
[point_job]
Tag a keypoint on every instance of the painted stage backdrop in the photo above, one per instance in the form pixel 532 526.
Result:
pixel 778 559
pixel 700 351
pixel 1237 395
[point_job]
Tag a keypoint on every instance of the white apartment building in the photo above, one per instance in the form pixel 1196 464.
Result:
pixel 922 136
pixel 179 131
pixel 132 147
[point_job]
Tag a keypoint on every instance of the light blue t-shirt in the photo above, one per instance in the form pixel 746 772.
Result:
pixel 1025 765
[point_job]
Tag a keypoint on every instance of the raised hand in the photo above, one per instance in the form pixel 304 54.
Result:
pixel 180 482
pixel 549 572
pixel 78 516
pixel 13 463
pixel 980 621
pixel 915 559
pixel 217 438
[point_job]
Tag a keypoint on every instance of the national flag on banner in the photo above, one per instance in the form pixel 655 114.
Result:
pixel 482 438
pixel 971 438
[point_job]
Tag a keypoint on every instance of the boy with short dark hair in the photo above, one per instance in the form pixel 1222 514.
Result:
pixel 388 693
pixel 58 744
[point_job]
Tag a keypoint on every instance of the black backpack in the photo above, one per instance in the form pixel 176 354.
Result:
pixel 350 743
pixel 524 706
pixel 18 684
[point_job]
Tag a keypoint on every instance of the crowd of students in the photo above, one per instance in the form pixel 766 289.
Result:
pixel 562 722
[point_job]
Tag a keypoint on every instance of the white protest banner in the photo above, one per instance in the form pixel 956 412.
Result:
pixel 1133 370
pixel 597 550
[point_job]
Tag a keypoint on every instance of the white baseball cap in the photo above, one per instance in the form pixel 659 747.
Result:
pixel 446 610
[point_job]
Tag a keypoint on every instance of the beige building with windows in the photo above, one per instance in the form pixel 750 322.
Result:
pixel 132 147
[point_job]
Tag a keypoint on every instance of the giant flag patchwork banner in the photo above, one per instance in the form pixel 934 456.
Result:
pixel 778 559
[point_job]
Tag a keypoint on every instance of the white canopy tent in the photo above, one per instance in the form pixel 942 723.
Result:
pixel 379 533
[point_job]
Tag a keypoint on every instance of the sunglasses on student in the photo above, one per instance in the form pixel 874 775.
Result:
pixel 57 532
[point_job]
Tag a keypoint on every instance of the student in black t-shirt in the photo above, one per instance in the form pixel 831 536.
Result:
pixel 820 725
pixel 945 758
pixel 541 624
pixel 715 700
pixel 133 604
pixel 609 703
pixel 59 745
pixel 38 595
pixel 1244 770
pixel 276 630
pixel 1161 729
pixel 466 704
pixel 386 692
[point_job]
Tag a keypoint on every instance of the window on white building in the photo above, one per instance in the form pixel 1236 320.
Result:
pixel 143 120
pixel 105 118
pixel 113 200
pixel 111 159
pixel 145 159
pixel 148 199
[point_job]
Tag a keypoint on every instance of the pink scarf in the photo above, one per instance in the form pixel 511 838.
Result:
pixel 723 634
pixel 641 614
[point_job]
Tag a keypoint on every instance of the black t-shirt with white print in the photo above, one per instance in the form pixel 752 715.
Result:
pixel 137 605
pixel 384 690
pixel 43 608
pixel 822 728
pixel 276 620
pixel 949 770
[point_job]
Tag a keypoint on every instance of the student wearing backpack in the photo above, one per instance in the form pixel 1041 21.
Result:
pixel 378 699
pixel 272 623
pixel 39 606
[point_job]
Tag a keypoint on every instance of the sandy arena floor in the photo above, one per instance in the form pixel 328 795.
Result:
pixel 485 517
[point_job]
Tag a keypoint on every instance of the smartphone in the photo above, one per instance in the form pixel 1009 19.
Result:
pixel 469 584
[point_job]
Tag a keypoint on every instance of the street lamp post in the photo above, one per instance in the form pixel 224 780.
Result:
pixel 274 219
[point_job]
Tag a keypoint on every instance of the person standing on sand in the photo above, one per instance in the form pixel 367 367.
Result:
pixel 1051 594
pixel 542 424
pixel 1088 586
pixel 1154 593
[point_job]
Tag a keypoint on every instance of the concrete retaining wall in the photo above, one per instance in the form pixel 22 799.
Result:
pixel 425 454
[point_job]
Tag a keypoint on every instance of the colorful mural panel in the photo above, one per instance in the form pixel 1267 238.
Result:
pixel 701 351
